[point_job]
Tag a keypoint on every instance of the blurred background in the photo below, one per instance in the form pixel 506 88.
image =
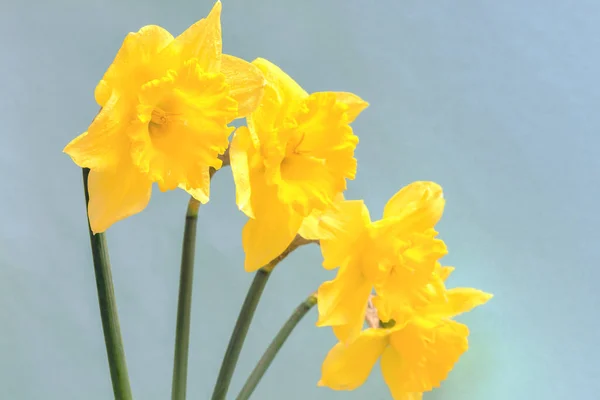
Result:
pixel 496 101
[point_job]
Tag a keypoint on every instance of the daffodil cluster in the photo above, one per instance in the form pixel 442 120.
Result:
pixel 166 107
pixel 394 261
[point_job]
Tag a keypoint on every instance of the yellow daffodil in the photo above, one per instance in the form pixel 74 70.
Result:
pixel 166 103
pixel 395 254
pixel 417 351
pixel 293 158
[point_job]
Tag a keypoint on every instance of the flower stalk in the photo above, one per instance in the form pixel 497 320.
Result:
pixel 184 306
pixel 184 303
pixel 108 309
pixel 242 324
pixel 265 361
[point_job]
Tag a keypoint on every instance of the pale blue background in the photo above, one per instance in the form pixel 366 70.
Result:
pixel 497 101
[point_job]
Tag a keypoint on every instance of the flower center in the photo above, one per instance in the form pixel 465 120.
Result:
pixel 160 122
pixel 293 143
pixel 159 117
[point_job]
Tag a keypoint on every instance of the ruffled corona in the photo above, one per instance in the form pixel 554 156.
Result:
pixel 293 158
pixel 166 103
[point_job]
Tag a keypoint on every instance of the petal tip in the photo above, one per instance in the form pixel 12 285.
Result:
pixel 96 227
pixel 217 7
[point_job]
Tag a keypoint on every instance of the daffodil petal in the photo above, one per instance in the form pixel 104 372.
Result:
pixel 425 355
pixel 266 238
pixel 240 145
pixel 420 205
pixel 323 224
pixel 202 191
pixel 310 228
pixel 272 230
pixel 263 122
pixel 412 193
pixel 391 365
pixel 287 88
pixel 116 195
pixel 347 223
pixel 281 95
pixel 135 62
pixel 355 105
pixel 459 300
pixel 98 148
pixel 343 303
pixel 246 83
pixel 347 367
pixel 202 41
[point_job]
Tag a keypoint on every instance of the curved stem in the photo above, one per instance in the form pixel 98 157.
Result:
pixel 269 355
pixel 184 306
pixel 108 309
pixel 238 336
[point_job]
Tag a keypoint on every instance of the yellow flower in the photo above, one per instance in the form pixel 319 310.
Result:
pixel 417 352
pixel 396 254
pixel 293 158
pixel 166 103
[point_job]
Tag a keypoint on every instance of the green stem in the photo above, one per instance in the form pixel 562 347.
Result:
pixel 238 336
pixel 269 355
pixel 108 309
pixel 184 306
